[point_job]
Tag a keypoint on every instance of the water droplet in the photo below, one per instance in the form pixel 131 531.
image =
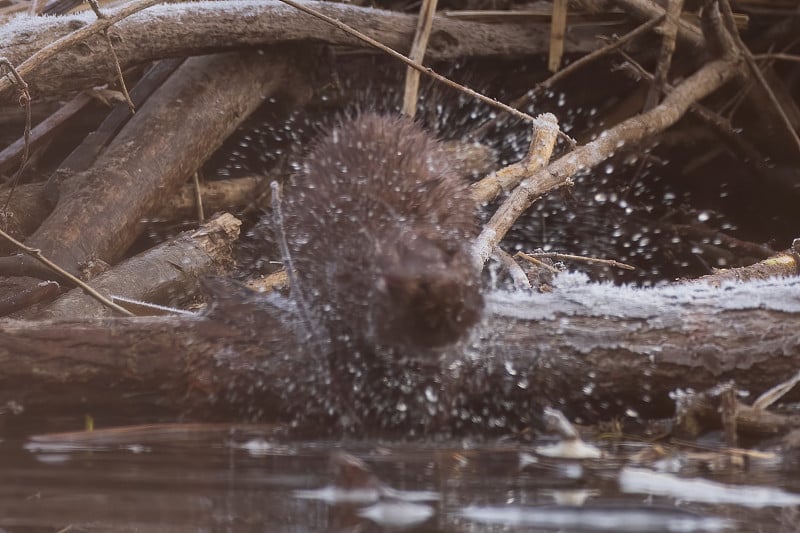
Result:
pixel 431 395
pixel 510 370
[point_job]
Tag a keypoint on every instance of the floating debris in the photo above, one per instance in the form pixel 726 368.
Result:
pixel 598 518
pixel 397 514
pixel 642 481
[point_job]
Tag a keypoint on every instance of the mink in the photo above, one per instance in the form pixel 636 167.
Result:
pixel 379 227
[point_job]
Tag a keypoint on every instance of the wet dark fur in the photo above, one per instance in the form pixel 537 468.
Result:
pixel 379 227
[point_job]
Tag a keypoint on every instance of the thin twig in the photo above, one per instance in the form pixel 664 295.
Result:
pixel 782 57
pixel 295 289
pixel 720 124
pixel 573 67
pixel 96 8
pixel 518 276
pixel 120 78
pixel 570 257
pixel 520 199
pixel 37 254
pixel 688 32
pixel 727 16
pixel 718 39
pixel 668 32
pixel 424 24
pixel 508 177
pixel 588 58
pixel 198 197
pixel 558 27
pixel 537 262
pixel 558 173
pixel 701 232
pixel 99 14
pixel 142 308
pixel 24 97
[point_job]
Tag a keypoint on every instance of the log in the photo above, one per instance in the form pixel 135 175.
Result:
pixel 99 211
pixel 10 156
pixel 25 213
pixel 32 202
pixel 216 196
pixel 592 350
pixel 156 276
pixel 175 30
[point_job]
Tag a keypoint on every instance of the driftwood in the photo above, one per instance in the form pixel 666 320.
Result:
pixel 588 349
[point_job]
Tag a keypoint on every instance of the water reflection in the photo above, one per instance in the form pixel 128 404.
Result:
pixel 243 480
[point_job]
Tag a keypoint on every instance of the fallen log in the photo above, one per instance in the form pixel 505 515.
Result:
pixel 592 350
pixel 157 276
pixel 185 29
pixel 99 211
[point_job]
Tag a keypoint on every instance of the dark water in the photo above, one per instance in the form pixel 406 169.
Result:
pixel 218 480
